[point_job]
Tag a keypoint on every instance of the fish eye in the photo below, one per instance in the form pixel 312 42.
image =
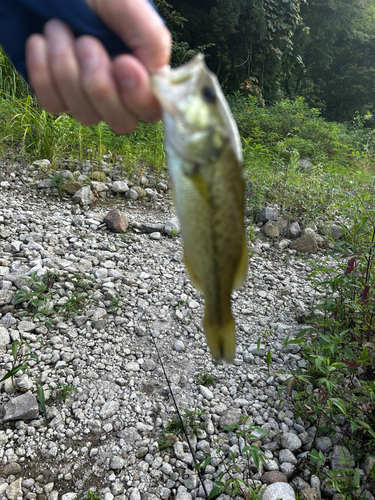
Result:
pixel 209 95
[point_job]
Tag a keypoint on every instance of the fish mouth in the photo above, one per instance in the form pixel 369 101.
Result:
pixel 170 85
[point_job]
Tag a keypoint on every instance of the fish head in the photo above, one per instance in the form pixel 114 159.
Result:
pixel 195 112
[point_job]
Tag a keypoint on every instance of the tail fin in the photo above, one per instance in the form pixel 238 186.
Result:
pixel 221 340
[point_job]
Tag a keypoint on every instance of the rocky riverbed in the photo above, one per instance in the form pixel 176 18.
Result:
pixel 106 303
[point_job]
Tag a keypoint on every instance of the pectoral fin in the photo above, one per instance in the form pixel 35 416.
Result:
pixel 200 185
pixel 240 276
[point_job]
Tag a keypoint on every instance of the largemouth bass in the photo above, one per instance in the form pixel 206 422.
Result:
pixel 205 162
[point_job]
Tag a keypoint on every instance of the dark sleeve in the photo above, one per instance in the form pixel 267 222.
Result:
pixel 21 18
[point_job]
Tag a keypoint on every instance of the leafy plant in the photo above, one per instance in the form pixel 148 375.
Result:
pixel 21 352
pixel 206 379
pixel 115 303
pixel 336 386
pixel 91 495
pixel 231 480
pixel 57 182
pixel 63 391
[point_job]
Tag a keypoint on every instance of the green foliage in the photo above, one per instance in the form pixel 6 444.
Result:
pixel 164 444
pixel 206 379
pixel 91 495
pixel 11 83
pixel 21 353
pixel 248 40
pixel 336 387
pixel 57 182
pixel 276 138
pixel 231 480
pixel 42 135
pixel 63 391
pixel 338 56
pixel 36 297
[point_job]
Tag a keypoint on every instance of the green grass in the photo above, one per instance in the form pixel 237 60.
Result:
pixel 274 139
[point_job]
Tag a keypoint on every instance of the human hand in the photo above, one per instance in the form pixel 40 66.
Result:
pixel 77 75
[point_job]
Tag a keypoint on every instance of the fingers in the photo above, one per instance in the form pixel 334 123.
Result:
pixel 78 75
pixel 141 28
pixel 99 85
pixel 40 75
pixel 135 88
pixel 65 71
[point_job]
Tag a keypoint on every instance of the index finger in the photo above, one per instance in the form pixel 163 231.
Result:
pixel 137 23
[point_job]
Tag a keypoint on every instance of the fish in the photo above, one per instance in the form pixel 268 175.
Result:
pixel 205 159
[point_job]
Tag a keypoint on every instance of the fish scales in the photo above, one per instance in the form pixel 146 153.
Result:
pixel 204 159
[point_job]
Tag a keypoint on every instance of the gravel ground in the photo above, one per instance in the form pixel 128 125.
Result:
pixel 118 299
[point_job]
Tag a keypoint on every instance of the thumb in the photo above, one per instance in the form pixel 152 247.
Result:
pixel 137 23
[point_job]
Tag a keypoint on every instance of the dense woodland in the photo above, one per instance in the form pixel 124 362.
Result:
pixel 322 50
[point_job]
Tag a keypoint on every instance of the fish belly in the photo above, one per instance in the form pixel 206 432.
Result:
pixel 212 227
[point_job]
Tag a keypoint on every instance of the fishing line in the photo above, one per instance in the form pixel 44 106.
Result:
pixel 182 423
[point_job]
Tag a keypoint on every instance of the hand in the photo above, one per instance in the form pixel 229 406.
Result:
pixel 77 75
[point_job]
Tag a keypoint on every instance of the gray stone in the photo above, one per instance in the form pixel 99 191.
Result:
pixel 151 227
pixel 84 196
pixel 183 495
pixel 44 184
pixel 305 164
pixel 327 489
pixel 8 320
pixel 300 484
pixel 135 495
pixel 336 232
pixel 290 441
pixel 109 409
pixel 310 494
pixel 274 476
pixel 24 407
pixel 206 393
pixel 132 195
pixel 340 458
pixel 151 193
pixel 14 490
pixel 287 468
pixel 192 482
pixel 4 337
pixel 270 229
pixel 323 443
pixel 305 244
pixel 253 349
pixel 287 456
pixel 368 464
pixel 116 463
pixel 26 326
pixel 294 231
pixel 42 164
pixel 265 214
pixel 172 226
pixel 231 416
pixel 155 236
pixel 279 490
pixel 6 297
pixel 178 346
pixel 119 187
pixel 99 187
pixel 11 469
pixel 149 365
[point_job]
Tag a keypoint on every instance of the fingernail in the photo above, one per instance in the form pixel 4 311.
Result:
pixel 57 38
